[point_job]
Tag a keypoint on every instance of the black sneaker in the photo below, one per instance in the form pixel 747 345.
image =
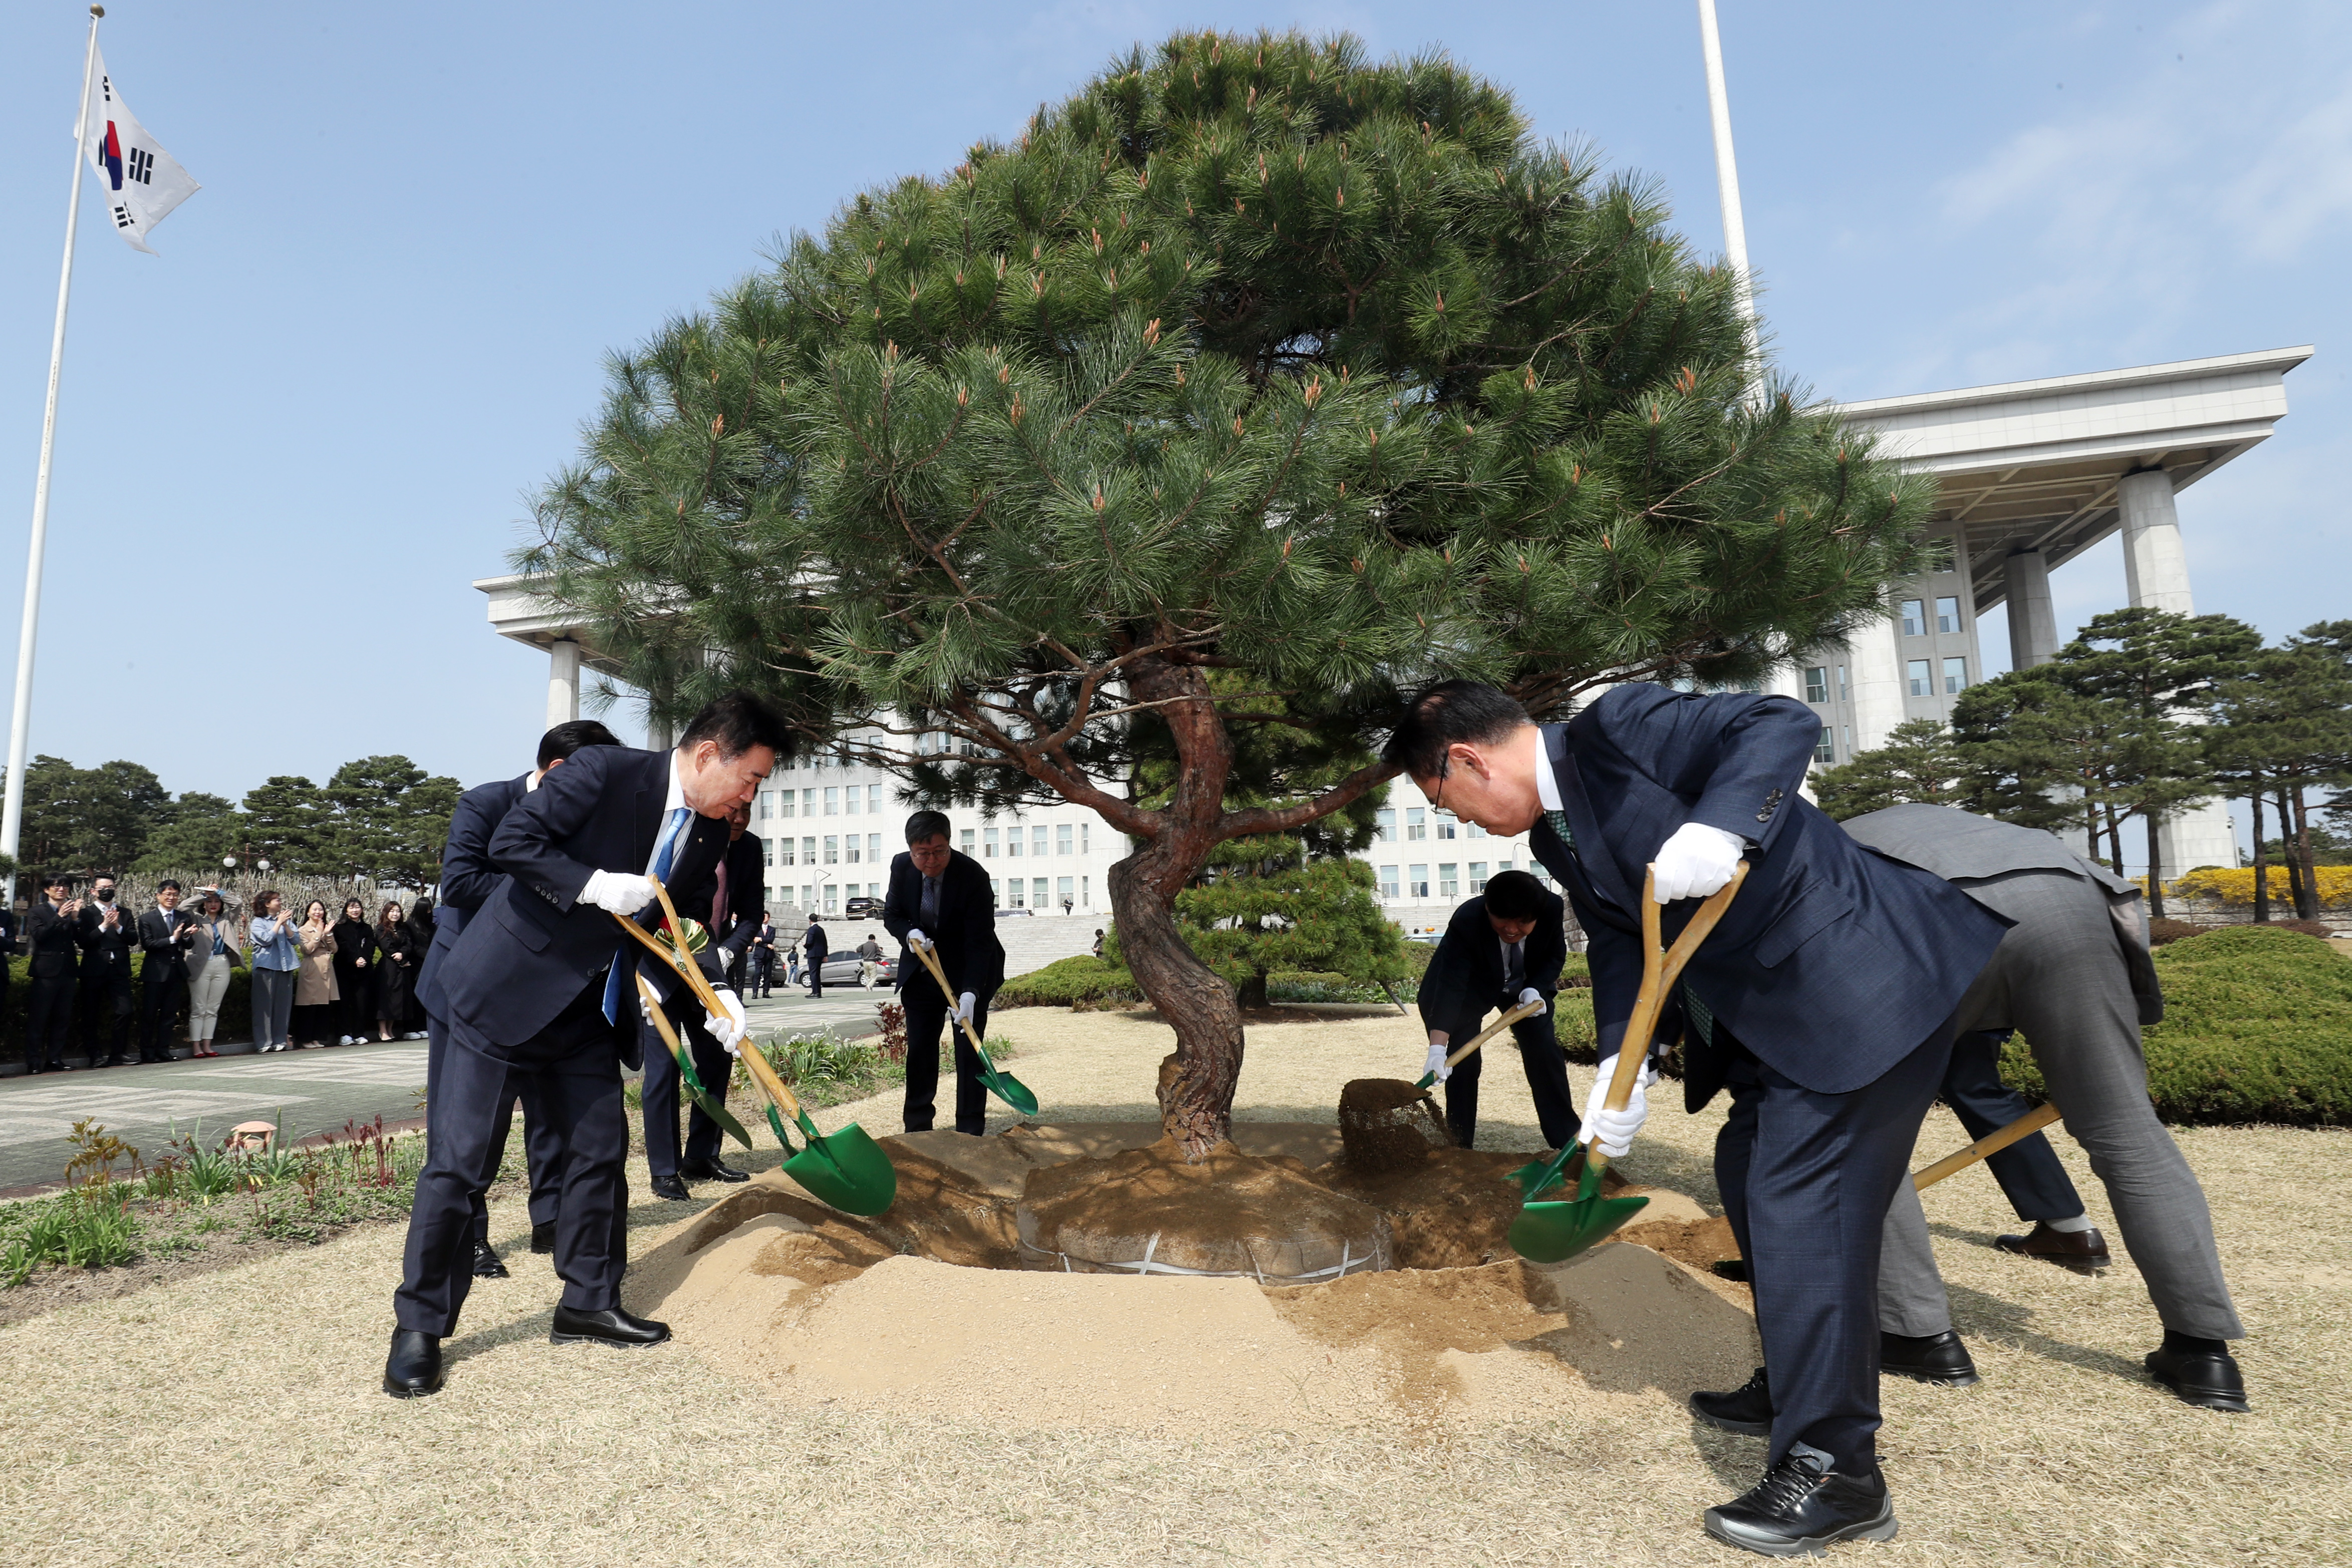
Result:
pixel 1939 1359
pixel 1746 1410
pixel 1801 1506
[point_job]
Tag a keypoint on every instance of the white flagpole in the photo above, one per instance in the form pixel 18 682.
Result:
pixel 1727 184
pixel 20 724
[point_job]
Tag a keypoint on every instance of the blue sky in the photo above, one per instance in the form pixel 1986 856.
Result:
pixel 288 443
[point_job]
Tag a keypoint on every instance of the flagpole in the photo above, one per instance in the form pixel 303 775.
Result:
pixel 20 722
pixel 1726 185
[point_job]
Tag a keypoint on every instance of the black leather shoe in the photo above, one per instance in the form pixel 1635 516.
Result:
pixel 2200 1377
pixel 672 1188
pixel 713 1171
pixel 1746 1410
pixel 1939 1358
pixel 2083 1251
pixel 413 1368
pixel 611 1326
pixel 485 1263
pixel 1801 1506
pixel 543 1237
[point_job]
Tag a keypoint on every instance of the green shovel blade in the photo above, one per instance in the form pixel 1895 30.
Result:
pixel 1425 1081
pixel 1005 1087
pixel 847 1168
pixel 1536 1177
pixel 777 1121
pixel 1555 1232
pixel 713 1108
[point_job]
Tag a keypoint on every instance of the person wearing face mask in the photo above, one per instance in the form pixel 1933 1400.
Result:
pixel 166 939
pixel 108 937
pixel 1502 948
pixel 543 985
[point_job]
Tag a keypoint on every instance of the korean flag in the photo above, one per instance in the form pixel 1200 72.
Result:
pixel 143 181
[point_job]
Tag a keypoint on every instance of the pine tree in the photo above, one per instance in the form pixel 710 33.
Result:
pixel 87 820
pixel 389 821
pixel 1919 763
pixel 288 822
pixel 1252 357
pixel 200 832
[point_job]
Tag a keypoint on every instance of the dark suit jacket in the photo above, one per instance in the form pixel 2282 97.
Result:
pixel 53 941
pixel 746 895
pixel 159 938
pixel 1465 973
pixel 106 952
pixel 533 947
pixel 814 947
pixel 467 878
pixel 1962 849
pixel 969 952
pixel 1832 964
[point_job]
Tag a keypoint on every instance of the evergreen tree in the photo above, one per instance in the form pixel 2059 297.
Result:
pixel 2284 731
pixel 200 832
pixel 1253 357
pixel 1919 763
pixel 288 822
pixel 389 821
pixel 2036 754
pixel 87 820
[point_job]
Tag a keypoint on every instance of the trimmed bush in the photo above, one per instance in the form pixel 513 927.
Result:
pixel 1085 981
pixel 235 1010
pixel 2257 1028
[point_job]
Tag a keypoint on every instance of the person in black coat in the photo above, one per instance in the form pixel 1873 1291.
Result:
pixel 108 935
pixel 814 948
pixel 7 952
pixel 420 925
pixel 1825 1001
pixel 164 936
pixel 731 919
pixel 939 899
pixel 395 969
pixel 542 986
pixel 1503 948
pixel 355 959
pixel 53 937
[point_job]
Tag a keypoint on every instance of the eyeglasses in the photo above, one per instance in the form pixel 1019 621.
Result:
pixel 1444 766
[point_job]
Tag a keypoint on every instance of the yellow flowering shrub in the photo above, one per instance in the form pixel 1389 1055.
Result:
pixel 2237 888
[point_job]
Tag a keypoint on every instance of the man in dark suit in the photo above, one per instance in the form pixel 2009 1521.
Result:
pixel 1502 948
pixel 541 985
pixel 53 937
pixel 813 949
pixel 940 900
pixel 468 879
pixel 7 952
pixel 164 938
pixel 762 954
pixel 1823 1001
pixel 730 920
pixel 2075 976
pixel 109 936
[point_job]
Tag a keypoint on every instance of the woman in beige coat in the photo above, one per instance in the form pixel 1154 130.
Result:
pixel 315 992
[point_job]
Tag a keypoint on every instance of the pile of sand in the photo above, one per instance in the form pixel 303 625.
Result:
pixel 920 1307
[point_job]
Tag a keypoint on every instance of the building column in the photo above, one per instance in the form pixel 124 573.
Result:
pixel 563 682
pixel 2032 623
pixel 1875 654
pixel 2156 569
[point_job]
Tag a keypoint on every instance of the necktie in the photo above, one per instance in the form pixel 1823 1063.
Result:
pixel 1702 1018
pixel 665 855
pixel 1514 968
pixel 1557 821
pixel 931 903
pixel 719 902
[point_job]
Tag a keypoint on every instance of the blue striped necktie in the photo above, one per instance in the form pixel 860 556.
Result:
pixel 665 855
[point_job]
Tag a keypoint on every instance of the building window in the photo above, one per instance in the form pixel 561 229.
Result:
pixel 808 896
pixel 1416 822
pixel 1037 841
pixel 1065 837
pixel 1817 685
pixel 1086 899
pixel 1956 675
pixel 831 894
pixel 1038 889
pixel 874 849
pixel 988 845
pixel 854 846
pixel 1846 737
pixel 1083 850
pixel 848 801
pixel 970 841
pixel 1941 554
pixel 1018 889
pixel 1923 678
pixel 1914 617
pixel 995 892
pixel 1063 890
pixel 1947 614
pixel 1418 882
pixel 1445 825
pixel 767 804
pixel 1841 691
pixel 791 798
pixel 786 858
pixel 808 851
pixel 1013 841
pixel 873 800
pixel 1388 881
pixel 768 851
pixel 1825 749
pixel 833 800
pixel 1475 832
pixel 832 851
pixel 1386 829
pixel 1449 881
pixel 1477 876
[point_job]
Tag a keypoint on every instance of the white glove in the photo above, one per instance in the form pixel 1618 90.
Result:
pixel 915 939
pixel 1695 862
pixel 1611 1131
pixel 1436 1067
pixel 1535 996
pixel 730 1026
pixel 622 892
pixel 964 1005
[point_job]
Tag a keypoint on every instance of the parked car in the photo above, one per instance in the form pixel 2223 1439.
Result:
pixel 863 909
pixel 1008 914
pixel 841 969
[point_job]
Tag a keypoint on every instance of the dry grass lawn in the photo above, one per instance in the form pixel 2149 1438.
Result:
pixel 236 1416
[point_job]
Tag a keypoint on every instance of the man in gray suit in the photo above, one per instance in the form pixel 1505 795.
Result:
pixel 2075 977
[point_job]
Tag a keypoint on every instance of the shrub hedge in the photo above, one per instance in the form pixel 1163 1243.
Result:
pixel 235 1012
pixel 2257 1028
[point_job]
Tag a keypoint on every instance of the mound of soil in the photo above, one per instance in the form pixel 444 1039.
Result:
pixel 1700 1243
pixel 1388 1124
pixel 1152 1211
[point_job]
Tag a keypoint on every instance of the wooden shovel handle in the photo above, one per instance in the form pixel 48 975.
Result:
pixel 1993 1142
pixel 954 1003
pixel 1660 970
pixel 1524 1010
pixel 771 1085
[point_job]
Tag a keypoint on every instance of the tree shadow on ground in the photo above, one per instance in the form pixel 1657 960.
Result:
pixel 1980 1316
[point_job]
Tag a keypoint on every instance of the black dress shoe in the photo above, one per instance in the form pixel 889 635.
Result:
pixel 1801 1506
pixel 611 1326
pixel 414 1367
pixel 543 1237
pixel 2201 1378
pixel 1939 1358
pixel 1746 1410
pixel 485 1263
pixel 713 1171
pixel 672 1188
pixel 2083 1251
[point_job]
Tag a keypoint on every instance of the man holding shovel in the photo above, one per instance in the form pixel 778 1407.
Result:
pixel 1826 994
pixel 938 898
pixel 1502 948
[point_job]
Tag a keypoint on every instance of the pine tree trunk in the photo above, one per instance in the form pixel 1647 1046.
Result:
pixel 2115 840
pixel 1252 994
pixel 2262 865
pixel 2155 865
pixel 2306 893
pixel 2287 854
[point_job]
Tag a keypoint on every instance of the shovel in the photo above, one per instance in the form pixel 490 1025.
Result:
pixel 1994 1143
pixel 711 1105
pixel 1003 1085
pixel 1552 1232
pixel 1524 1010
pixel 847 1168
